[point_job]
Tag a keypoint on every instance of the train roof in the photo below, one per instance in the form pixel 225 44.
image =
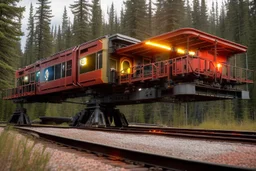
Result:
pixel 193 38
pixel 119 37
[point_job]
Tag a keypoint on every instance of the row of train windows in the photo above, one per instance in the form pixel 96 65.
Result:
pixel 51 73
pixel 87 64
pixel 57 71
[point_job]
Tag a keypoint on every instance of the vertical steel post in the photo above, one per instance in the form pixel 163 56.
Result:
pixel 246 63
pixel 215 59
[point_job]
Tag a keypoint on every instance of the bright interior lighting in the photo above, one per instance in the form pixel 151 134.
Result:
pixel 140 89
pixel 83 61
pixel 38 74
pixel 181 51
pixel 46 75
pixel 129 70
pixel 191 53
pixel 158 45
pixel 26 78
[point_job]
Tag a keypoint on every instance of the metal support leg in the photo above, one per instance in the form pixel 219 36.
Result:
pixel 20 117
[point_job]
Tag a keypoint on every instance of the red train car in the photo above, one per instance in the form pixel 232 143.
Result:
pixel 67 73
pixel 182 63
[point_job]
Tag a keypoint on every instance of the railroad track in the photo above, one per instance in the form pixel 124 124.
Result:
pixel 223 135
pixel 218 135
pixel 147 159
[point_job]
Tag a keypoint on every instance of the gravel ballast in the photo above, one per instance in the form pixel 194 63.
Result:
pixel 62 158
pixel 238 154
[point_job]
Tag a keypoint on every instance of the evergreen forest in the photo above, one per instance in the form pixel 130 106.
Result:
pixel 234 20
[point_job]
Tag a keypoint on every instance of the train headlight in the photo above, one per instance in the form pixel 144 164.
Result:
pixel 83 61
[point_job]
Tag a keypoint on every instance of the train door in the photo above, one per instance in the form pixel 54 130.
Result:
pixel 126 66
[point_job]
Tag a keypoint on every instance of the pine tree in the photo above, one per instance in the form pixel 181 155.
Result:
pixel 81 30
pixel 43 46
pixel 196 14
pixel 122 21
pixel 150 14
pixel 212 20
pixel 158 18
pixel 111 19
pixel 203 17
pixel 64 33
pixel 188 17
pixel 69 37
pixel 96 21
pixel 29 56
pixel 173 14
pixel 222 22
pixel 59 41
pixel 9 37
pixel 135 18
pixel 116 24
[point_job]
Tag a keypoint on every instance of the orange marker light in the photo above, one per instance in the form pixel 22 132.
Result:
pixel 158 45
pixel 219 65
pixel 191 53
pixel 181 51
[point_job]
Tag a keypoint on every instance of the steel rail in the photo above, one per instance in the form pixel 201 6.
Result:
pixel 234 137
pixel 146 158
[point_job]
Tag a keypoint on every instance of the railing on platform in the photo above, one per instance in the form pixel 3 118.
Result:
pixel 21 91
pixel 185 65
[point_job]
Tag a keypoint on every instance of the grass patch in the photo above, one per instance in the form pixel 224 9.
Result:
pixel 20 153
pixel 244 125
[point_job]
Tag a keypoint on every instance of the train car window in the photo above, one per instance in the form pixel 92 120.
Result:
pixel 113 63
pixel 37 76
pixel 87 63
pixel 69 68
pixel 99 60
pixel 32 77
pixel 19 82
pixel 57 71
pixel 49 73
pixel 63 73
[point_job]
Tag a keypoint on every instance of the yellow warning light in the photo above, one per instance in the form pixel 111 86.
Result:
pixel 181 51
pixel 83 61
pixel 158 45
pixel 191 53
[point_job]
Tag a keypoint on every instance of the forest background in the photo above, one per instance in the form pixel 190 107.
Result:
pixel 234 20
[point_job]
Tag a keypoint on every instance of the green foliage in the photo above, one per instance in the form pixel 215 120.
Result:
pixel 135 19
pixel 9 36
pixel 29 56
pixel 81 29
pixel 21 154
pixel 96 22
pixel 43 39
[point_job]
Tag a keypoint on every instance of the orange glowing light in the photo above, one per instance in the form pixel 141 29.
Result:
pixel 219 65
pixel 181 51
pixel 191 53
pixel 158 45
